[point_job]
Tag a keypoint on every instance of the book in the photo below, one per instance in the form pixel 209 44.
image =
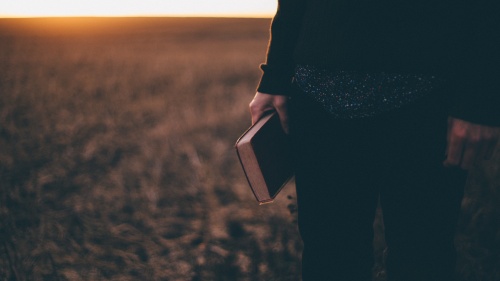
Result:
pixel 265 155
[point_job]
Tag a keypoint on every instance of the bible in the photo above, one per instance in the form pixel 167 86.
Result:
pixel 265 155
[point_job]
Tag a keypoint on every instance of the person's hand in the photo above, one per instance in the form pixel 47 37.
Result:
pixel 263 103
pixel 469 143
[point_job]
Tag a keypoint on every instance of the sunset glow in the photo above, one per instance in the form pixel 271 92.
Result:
pixel 56 8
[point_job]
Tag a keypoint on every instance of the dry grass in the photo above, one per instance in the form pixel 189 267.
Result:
pixel 117 161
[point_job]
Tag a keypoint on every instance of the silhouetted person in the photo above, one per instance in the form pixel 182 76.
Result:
pixel 390 99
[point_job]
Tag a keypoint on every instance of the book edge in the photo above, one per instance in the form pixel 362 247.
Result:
pixel 255 127
pixel 261 197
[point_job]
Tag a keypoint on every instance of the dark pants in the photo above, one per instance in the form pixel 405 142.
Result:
pixel 344 167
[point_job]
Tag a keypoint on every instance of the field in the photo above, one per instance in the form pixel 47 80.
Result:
pixel 117 158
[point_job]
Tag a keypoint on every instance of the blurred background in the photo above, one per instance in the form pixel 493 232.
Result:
pixel 116 149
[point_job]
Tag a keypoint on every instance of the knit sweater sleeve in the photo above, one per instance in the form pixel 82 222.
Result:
pixel 279 66
pixel 478 97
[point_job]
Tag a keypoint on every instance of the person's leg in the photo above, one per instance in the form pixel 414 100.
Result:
pixel 421 200
pixel 420 227
pixel 336 200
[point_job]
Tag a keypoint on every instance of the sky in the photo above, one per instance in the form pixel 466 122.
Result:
pixel 47 8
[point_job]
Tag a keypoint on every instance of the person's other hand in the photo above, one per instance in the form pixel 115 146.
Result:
pixel 263 103
pixel 469 143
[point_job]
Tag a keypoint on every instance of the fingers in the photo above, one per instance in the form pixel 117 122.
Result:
pixel 490 143
pixel 469 143
pixel 476 151
pixel 473 147
pixel 263 103
pixel 260 104
pixel 490 149
pixel 454 150
pixel 259 113
pixel 470 155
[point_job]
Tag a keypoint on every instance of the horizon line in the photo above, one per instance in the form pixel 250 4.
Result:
pixel 140 16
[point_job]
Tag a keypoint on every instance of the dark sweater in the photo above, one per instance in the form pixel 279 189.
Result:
pixel 455 40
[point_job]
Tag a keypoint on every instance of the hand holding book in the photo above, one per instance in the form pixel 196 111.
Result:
pixel 264 103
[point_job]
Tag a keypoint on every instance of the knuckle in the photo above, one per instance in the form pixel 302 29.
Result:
pixel 252 106
pixel 278 102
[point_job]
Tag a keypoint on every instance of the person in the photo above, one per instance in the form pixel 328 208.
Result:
pixel 383 100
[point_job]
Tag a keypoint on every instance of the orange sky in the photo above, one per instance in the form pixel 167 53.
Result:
pixel 47 8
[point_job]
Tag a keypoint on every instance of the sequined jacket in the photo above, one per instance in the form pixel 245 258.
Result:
pixel 458 41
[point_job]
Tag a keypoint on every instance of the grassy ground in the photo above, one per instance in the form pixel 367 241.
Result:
pixel 117 159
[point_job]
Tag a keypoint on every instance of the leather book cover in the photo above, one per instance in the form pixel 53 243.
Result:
pixel 264 154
